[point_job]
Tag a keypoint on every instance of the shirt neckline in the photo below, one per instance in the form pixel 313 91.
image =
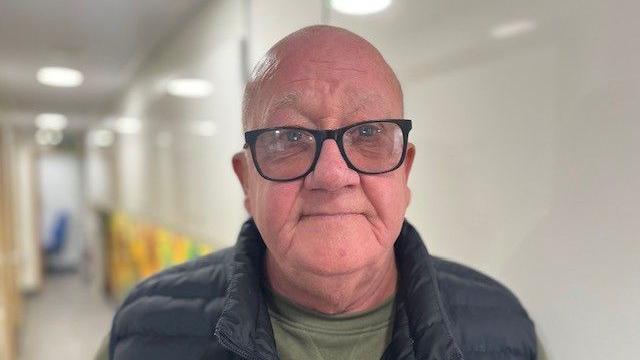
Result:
pixel 301 317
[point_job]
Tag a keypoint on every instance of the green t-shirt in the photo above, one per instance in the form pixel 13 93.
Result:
pixel 301 333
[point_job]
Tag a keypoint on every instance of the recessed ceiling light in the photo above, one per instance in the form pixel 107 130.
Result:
pixel 48 137
pixel 513 28
pixel 101 137
pixel 190 88
pixel 359 7
pixel 60 77
pixel 51 121
pixel 128 125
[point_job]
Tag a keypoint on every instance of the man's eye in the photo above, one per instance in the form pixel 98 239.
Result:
pixel 294 136
pixel 368 131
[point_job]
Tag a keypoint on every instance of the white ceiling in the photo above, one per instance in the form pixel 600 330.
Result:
pixel 105 39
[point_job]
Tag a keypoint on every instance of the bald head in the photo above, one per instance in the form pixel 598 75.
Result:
pixel 319 52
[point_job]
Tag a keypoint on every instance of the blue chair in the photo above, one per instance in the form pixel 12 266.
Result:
pixel 58 234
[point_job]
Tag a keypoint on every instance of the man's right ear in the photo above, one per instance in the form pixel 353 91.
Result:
pixel 239 162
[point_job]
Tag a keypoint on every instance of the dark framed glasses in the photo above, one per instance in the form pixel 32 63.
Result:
pixel 289 153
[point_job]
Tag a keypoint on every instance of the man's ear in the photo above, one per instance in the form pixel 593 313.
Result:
pixel 408 159
pixel 408 164
pixel 239 162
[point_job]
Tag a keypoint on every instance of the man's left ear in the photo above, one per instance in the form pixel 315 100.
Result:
pixel 408 159
pixel 408 163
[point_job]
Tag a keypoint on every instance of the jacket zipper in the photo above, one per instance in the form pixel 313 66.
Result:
pixel 234 348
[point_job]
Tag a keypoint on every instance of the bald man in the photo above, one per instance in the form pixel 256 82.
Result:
pixel 326 267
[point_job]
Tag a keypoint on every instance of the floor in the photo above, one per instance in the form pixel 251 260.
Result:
pixel 67 320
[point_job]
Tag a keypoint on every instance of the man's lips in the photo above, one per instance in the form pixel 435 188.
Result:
pixel 329 215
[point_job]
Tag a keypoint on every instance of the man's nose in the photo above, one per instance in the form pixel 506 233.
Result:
pixel 331 171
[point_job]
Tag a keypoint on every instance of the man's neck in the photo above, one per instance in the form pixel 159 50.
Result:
pixel 335 294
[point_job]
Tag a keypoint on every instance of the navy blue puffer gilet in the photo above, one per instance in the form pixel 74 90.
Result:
pixel 213 308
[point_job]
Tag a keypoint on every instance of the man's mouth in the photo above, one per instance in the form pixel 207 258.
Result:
pixel 329 215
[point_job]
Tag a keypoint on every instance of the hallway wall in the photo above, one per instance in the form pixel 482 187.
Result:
pixel 526 163
pixel 170 172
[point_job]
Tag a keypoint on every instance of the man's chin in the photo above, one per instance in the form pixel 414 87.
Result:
pixel 334 245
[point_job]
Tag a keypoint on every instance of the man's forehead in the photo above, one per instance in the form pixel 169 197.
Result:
pixel 350 101
pixel 306 52
pixel 339 73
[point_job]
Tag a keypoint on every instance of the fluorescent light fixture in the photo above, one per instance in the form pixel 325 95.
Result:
pixel 359 7
pixel 48 137
pixel 128 125
pixel 42 137
pixel 101 137
pixel 513 28
pixel 51 121
pixel 60 77
pixel 203 128
pixel 189 88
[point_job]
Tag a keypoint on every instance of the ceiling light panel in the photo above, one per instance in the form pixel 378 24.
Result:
pixel 513 28
pixel 359 7
pixel 190 88
pixel 51 121
pixel 60 77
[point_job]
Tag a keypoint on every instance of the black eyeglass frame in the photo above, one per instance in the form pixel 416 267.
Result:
pixel 320 136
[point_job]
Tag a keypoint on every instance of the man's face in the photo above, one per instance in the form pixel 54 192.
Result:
pixel 335 220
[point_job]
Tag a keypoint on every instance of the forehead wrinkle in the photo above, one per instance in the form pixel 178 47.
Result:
pixel 327 95
pixel 360 104
pixel 291 99
pixel 349 104
pixel 334 65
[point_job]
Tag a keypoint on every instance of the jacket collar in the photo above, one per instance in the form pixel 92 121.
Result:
pixel 420 316
pixel 421 328
pixel 244 326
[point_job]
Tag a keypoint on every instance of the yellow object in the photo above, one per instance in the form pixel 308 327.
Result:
pixel 137 250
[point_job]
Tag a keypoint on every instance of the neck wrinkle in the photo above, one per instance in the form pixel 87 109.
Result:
pixel 342 294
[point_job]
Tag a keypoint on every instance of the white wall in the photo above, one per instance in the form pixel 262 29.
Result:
pixel 172 172
pixel 99 177
pixel 526 161
pixel 271 20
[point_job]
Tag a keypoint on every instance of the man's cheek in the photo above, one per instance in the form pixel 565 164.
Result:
pixel 276 202
pixel 390 200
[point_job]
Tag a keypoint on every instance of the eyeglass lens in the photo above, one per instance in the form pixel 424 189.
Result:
pixel 288 153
